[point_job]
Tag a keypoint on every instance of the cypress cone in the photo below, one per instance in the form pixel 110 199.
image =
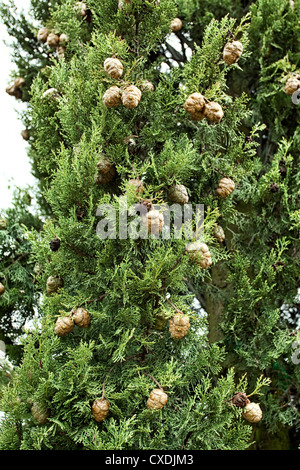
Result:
pixel 219 233
pixel 240 399
pixel 273 187
pixel 42 35
pixel 131 97
pixel 60 50
pixel 63 326
pixel 112 97
pixel 195 105
pixel 53 40
pixel 213 112
pixel 199 253
pixel 81 317
pixel 40 413
pixel 3 224
pixel 178 194
pixel 157 399
pixel 25 134
pixel 153 221
pixel 15 88
pixel 137 184
pixel 55 244
pixel 2 288
pixel 179 325
pixel 292 85
pixel 176 25
pixel 147 86
pixel 225 187
pixel 100 409
pixel 252 412
pixel 54 283
pixel 106 171
pixel 63 39
pixel 232 52
pixel 113 67
pixel 81 9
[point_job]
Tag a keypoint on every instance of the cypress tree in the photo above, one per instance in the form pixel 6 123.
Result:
pixel 150 342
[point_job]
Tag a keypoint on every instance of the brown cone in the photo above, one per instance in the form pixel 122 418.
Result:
pixel 100 409
pixel 225 187
pixel 106 171
pixel 157 399
pixel 54 283
pixel 176 25
pixel 112 97
pixel 219 233
pixel 2 288
pixel 232 52
pixel 113 67
pixel 213 112
pixel 252 412
pixel 153 221
pixel 52 40
pixel 40 413
pixel 63 326
pixel 240 399
pixel 55 244
pixel 195 106
pixel 81 317
pixel 131 97
pixel 25 134
pixel 179 326
pixel 137 184
pixel 178 194
pixel 199 253
pixel 292 85
pixel 42 35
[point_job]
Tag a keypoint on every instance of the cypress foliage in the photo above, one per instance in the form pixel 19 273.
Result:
pixel 19 302
pixel 244 341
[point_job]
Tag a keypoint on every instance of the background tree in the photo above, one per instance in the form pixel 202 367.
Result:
pixel 245 341
pixel 19 301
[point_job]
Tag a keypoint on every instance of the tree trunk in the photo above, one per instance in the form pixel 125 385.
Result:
pixel 214 302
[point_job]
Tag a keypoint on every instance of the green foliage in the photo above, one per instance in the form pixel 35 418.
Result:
pixel 126 284
pixel 20 300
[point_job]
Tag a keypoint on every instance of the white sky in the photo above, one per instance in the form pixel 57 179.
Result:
pixel 14 163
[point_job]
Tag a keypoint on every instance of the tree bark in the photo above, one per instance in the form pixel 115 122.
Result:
pixel 214 302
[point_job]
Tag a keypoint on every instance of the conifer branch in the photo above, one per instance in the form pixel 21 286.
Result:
pixel 98 299
pixel 174 306
pixel 19 434
pixel 79 252
pixel 261 382
pixel 154 380
pixel 20 258
pixel 133 356
pixel 172 269
pixel 221 173
pixel 8 374
pixel 137 23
